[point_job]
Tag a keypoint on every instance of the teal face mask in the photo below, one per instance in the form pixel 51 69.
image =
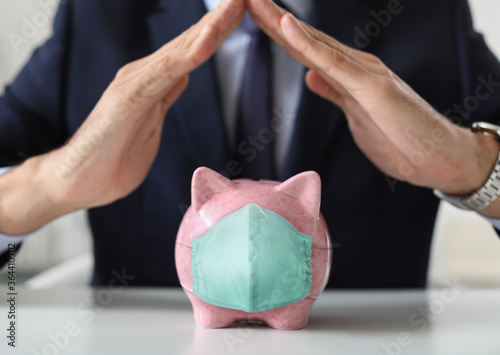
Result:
pixel 252 260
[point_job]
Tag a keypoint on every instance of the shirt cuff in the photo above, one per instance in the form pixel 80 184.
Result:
pixel 5 240
pixel 494 221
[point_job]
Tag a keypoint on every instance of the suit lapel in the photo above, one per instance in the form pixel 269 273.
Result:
pixel 319 121
pixel 198 110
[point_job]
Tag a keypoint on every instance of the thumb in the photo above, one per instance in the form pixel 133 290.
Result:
pixel 319 86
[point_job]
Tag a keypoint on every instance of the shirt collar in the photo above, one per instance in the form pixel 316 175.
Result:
pixel 301 8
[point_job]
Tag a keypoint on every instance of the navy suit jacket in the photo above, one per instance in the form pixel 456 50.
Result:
pixel 381 228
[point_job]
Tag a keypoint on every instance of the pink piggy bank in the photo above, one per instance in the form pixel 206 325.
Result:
pixel 253 251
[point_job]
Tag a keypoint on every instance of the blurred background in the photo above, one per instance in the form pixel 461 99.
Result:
pixel 465 245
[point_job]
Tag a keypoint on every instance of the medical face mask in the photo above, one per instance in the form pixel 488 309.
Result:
pixel 252 260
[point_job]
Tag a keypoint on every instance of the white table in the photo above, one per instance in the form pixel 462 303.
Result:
pixel 159 321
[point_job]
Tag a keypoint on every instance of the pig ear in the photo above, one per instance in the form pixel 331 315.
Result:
pixel 206 184
pixel 307 188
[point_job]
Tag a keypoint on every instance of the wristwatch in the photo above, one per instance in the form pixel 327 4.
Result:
pixel 483 197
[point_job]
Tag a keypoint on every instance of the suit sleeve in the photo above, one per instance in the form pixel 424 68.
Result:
pixel 32 108
pixel 479 75
pixel 8 250
pixel 479 71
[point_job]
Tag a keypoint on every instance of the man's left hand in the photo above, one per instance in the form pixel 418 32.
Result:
pixel 394 127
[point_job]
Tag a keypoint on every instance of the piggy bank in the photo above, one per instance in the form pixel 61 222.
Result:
pixel 253 251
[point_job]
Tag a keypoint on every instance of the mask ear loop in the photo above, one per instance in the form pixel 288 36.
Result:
pixel 319 246
pixel 184 245
pixel 188 246
pixel 187 288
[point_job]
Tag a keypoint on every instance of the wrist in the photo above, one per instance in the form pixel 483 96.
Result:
pixel 57 182
pixel 26 203
pixel 476 165
pixel 50 203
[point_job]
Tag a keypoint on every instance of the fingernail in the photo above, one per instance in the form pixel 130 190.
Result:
pixel 294 32
pixel 294 19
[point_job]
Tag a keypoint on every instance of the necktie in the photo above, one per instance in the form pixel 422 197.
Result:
pixel 254 137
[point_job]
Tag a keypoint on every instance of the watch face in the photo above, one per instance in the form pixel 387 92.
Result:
pixel 487 128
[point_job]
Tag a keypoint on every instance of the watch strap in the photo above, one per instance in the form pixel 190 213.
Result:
pixel 481 198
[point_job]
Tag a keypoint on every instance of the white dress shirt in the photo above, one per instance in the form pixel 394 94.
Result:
pixel 288 78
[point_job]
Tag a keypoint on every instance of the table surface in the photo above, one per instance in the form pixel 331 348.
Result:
pixel 160 321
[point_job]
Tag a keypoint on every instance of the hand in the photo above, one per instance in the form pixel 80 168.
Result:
pixel 393 126
pixel 112 152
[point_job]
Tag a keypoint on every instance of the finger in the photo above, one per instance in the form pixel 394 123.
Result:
pixel 333 63
pixel 268 15
pixel 222 21
pixel 176 92
pixel 320 87
pixel 225 17
pixel 272 19
pixel 153 119
pixel 188 51
pixel 373 141
pixel 366 60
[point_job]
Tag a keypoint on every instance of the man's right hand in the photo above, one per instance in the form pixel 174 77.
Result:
pixel 112 152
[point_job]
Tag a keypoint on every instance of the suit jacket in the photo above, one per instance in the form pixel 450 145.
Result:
pixel 381 228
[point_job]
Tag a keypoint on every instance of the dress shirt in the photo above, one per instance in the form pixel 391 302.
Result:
pixel 288 78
